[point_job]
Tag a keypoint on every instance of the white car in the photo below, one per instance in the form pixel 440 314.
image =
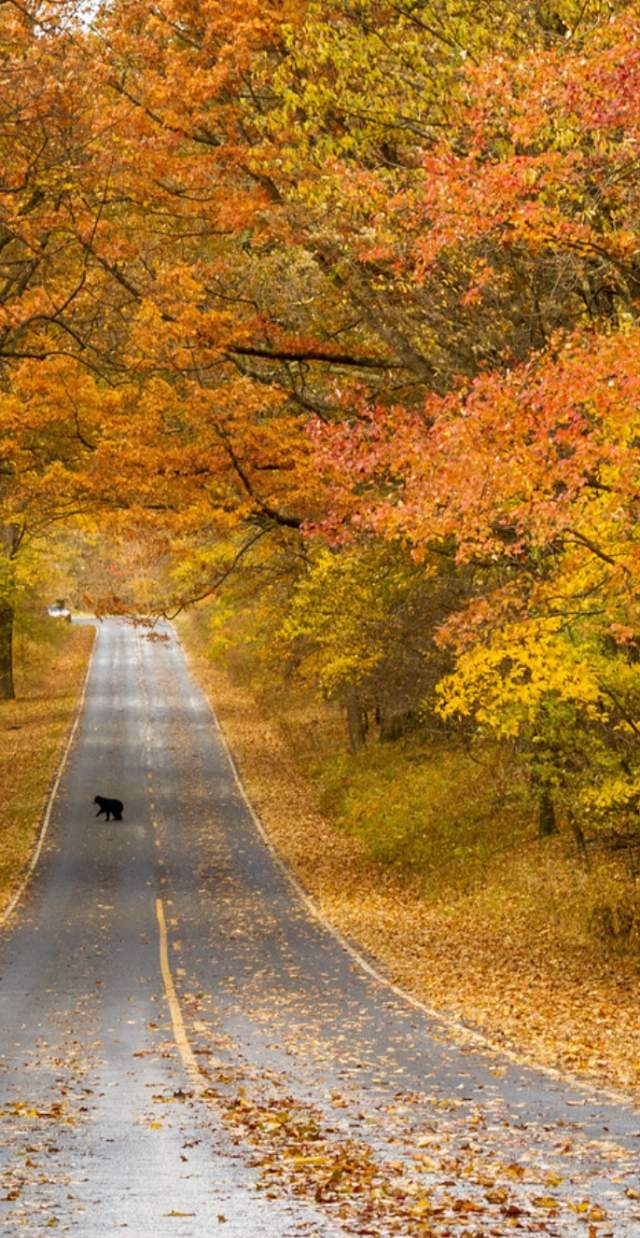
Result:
pixel 58 610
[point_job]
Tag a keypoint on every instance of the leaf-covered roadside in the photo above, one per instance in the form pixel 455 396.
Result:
pixel 482 959
pixel 33 728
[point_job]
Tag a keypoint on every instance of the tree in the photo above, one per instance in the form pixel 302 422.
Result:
pixel 348 275
pixel 40 283
pixel 527 472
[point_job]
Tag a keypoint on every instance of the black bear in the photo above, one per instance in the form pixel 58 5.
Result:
pixel 113 808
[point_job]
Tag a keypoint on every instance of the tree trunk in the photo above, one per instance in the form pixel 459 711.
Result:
pixel 394 725
pixel 581 843
pixel 547 823
pixel 7 692
pixel 355 719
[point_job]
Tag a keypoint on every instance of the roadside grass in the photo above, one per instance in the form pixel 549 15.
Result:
pixel 430 862
pixel 50 664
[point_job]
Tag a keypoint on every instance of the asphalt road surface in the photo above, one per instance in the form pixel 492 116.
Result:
pixel 186 1050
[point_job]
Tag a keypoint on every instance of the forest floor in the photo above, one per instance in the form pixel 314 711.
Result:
pixel 49 672
pixel 484 958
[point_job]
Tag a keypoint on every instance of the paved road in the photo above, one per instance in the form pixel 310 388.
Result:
pixel 187 1051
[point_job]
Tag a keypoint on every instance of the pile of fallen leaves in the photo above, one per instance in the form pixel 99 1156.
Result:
pixel 429 1188
pixel 301 1157
pixel 32 731
pixel 492 967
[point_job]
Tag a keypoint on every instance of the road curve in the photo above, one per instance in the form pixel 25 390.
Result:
pixel 186 1050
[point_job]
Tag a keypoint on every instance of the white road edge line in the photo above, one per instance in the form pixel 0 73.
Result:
pixel 455 1026
pixel 8 911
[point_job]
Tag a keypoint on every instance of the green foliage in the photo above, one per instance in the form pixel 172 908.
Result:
pixel 442 812
pixel 363 619
pixel 342 609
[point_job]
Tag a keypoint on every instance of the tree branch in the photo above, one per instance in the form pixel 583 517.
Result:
pixel 221 578
pixel 312 354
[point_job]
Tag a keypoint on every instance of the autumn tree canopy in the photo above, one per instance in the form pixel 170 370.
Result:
pixel 345 293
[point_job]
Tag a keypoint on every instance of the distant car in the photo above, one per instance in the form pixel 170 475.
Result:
pixel 58 610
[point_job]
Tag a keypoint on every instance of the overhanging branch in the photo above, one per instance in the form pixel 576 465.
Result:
pixel 312 354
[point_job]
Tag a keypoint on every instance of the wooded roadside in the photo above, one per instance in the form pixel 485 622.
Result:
pixel 525 988
pixel 33 730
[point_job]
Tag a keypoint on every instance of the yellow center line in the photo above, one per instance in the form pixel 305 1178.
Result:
pixel 179 1032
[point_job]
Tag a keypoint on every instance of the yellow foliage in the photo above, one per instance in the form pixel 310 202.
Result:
pixel 503 681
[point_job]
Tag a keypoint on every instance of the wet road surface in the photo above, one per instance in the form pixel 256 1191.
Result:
pixel 185 1050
